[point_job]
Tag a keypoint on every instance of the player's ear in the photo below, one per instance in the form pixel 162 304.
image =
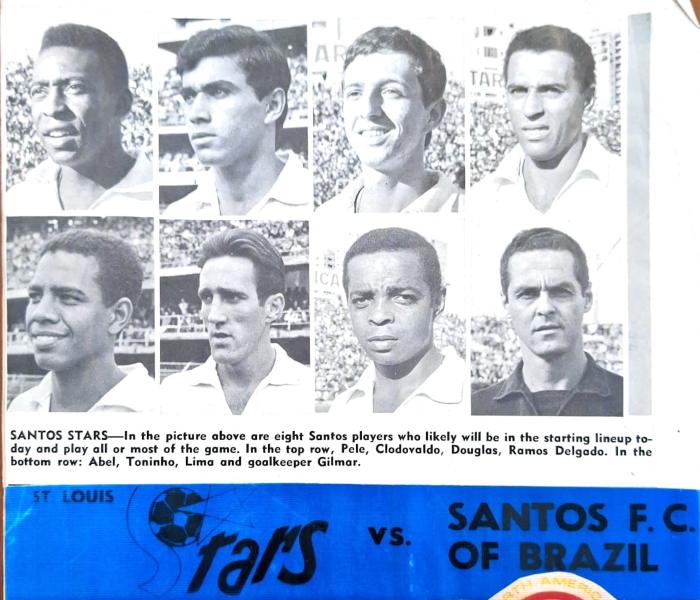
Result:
pixel 274 307
pixel 440 304
pixel 124 102
pixel 589 96
pixel 436 112
pixel 120 315
pixel 587 298
pixel 504 300
pixel 276 102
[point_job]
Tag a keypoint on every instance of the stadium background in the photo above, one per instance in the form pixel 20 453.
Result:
pixel 184 343
pixel 494 349
pixel 178 166
pixel 334 162
pixel 339 360
pixel 25 236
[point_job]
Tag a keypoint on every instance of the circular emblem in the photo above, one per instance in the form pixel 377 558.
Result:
pixel 553 586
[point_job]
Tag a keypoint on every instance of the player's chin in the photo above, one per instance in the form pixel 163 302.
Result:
pixel 375 157
pixel 67 158
pixel 550 351
pixel 537 151
pixel 225 356
pixel 209 158
pixel 386 358
pixel 50 361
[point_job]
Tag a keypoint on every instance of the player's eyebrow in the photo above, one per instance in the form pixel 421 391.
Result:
pixel 527 289
pixel 218 84
pixel 561 287
pixel 59 82
pixel 222 291
pixel 540 87
pixel 58 289
pixel 554 85
pixel 536 289
pixel 399 289
pixel 209 86
pixel 359 84
pixel 354 85
pixel 64 289
pixel 360 291
pixel 394 80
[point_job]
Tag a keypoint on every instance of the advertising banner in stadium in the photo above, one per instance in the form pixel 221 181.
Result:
pixel 283 290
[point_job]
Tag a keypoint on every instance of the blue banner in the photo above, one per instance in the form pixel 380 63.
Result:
pixel 346 541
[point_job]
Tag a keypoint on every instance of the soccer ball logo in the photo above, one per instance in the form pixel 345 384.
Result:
pixel 175 516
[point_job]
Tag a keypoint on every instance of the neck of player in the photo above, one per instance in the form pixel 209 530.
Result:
pixel 545 179
pixel 78 389
pixel 560 372
pixel 242 185
pixel 79 187
pixel 394 383
pixel 240 380
pixel 394 191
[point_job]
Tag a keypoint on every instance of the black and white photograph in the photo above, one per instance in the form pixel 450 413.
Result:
pixel 390 318
pixel 512 120
pixel 234 119
pixel 78 117
pixel 388 115
pixel 546 289
pixel 546 147
pixel 80 315
pixel 234 318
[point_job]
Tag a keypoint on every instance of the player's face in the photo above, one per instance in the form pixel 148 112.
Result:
pixel 545 102
pixel 76 113
pixel 391 307
pixel 234 318
pixel 225 118
pixel 66 318
pixel 545 302
pixel 385 119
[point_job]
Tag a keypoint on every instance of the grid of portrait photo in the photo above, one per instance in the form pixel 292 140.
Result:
pixel 223 216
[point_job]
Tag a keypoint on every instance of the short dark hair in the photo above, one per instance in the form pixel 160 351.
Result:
pixel 550 37
pixel 267 262
pixel 544 238
pixel 394 239
pixel 263 62
pixel 119 275
pixel 428 62
pixel 91 38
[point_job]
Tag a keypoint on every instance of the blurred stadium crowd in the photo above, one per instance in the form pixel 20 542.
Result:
pixel 339 359
pixel 495 350
pixel 492 136
pixel 170 162
pixel 335 163
pixel 171 109
pixel 24 151
pixel 180 241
